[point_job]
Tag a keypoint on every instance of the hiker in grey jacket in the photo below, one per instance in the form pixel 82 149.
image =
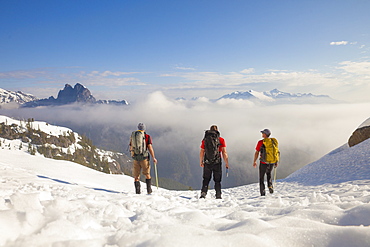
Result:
pixel 140 150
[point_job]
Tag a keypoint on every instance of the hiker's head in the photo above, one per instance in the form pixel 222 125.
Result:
pixel 214 127
pixel 141 126
pixel 267 132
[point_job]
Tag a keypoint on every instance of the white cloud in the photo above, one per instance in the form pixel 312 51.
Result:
pixel 339 43
pixel 359 68
pixel 106 78
pixel 205 80
pixel 115 82
pixel 248 71
pixel 23 74
pixel 348 81
pixel 184 68
pixel 106 73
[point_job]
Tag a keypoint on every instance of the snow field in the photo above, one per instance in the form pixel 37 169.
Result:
pixel 38 211
pixel 46 202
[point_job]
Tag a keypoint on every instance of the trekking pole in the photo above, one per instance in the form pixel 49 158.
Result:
pixel 275 177
pixel 156 174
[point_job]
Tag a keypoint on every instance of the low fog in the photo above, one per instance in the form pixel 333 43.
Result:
pixel 305 132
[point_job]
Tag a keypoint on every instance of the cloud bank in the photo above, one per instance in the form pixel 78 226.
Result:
pixel 305 132
pixel 347 80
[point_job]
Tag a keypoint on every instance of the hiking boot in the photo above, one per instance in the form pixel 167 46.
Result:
pixel 218 194
pixel 263 192
pixel 149 185
pixel 203 195
pixel 271 190
pixel 137 187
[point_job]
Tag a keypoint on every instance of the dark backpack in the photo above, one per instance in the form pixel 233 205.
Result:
pixel 211 146
pixel 139 149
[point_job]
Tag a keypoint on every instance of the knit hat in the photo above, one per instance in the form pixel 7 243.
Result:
pixel 141 126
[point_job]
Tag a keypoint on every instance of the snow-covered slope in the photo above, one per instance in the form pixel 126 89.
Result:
pixel 43 126
pixel 15 97
pixel 341 165
pixel 58 143
pixel 365 123
pixel 45 202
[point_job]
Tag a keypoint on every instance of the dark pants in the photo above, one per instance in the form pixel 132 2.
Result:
pixel 265 169
pixel 216 169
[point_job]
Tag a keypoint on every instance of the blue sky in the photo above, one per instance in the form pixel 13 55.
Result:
pixel 127 49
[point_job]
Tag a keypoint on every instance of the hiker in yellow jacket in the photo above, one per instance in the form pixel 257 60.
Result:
pixel 268 151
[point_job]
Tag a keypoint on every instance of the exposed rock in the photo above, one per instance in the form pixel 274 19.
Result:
pixel 70 95
pixel 361 134
pixel 77 94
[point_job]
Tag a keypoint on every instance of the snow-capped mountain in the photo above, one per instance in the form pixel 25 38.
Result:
pixel 112 102
pixel 46 202
pixel 18 97
pixel 248 95
pixel 277 97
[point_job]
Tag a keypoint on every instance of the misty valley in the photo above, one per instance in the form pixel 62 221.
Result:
pixel 306 131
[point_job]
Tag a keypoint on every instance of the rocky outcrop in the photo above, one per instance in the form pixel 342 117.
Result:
pixel 69 95
pixel 361 134
pixel 78 93
pixel 65 146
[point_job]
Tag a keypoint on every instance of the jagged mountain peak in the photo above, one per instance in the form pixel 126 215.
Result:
pixel 78 93
pixel 69 95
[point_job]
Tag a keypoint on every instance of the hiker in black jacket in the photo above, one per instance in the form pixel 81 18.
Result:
pixel 210 159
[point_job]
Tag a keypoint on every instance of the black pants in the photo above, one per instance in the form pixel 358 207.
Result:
pixel 216 169
pixel 265 169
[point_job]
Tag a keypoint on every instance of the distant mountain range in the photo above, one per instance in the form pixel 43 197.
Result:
pixel 278 97
pixel 68 95
pixel 80 94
